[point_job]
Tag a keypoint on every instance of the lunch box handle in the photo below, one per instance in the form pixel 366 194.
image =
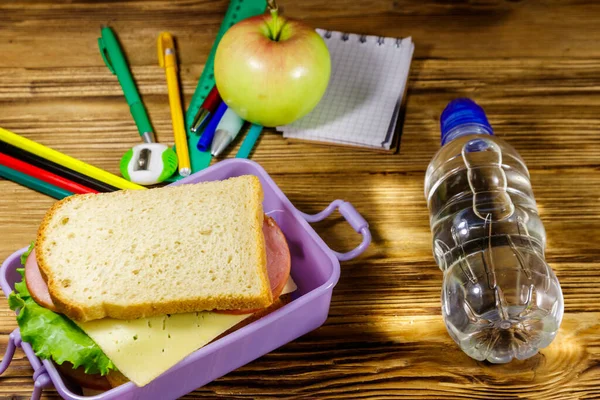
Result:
pixel 355 220
pixel 40 376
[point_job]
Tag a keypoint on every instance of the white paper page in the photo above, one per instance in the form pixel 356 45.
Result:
pixel 360 106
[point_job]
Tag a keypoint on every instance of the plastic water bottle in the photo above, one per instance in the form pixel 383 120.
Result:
pixel 500 299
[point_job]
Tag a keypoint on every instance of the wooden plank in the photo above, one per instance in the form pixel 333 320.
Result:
pixel 441 29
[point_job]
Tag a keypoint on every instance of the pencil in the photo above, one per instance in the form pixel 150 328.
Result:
pixel 66 161
pixel 42 175
pixel 54 168
pixel 33 183
pixel 167 60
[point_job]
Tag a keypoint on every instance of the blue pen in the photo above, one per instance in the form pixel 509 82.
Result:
pixel 211 127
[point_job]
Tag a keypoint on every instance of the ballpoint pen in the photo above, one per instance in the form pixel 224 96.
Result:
pixel 228 128
pixel 168 61
pixel 115 61
pixel 209 132
pixel 206 109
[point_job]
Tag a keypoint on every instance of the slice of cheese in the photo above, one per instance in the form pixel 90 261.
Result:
pixel 290 286
pixel 144 348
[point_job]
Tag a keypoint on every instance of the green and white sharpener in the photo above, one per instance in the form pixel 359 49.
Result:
pixel 148 163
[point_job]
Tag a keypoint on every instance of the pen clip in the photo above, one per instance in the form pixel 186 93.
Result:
pixel 165 41
pixel 105 56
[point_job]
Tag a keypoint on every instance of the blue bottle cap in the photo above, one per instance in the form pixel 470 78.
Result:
pixel 460 112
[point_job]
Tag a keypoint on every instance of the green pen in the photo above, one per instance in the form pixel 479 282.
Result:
pixel 115 61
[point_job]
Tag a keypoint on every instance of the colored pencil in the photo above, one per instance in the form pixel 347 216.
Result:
pixel 54 168
pixel 33 183
pixel 42 175
pixel 66 161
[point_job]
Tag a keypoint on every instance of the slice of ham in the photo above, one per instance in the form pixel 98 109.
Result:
pixel 278 256
pixel 36 284
pixel 278 268
pixel 278 262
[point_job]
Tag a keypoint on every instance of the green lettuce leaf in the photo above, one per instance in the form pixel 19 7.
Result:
pixel 54 336
pixel 27 253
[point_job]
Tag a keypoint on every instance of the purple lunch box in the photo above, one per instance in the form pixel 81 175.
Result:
pixel 315 268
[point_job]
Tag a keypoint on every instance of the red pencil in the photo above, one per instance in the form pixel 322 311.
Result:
pixel 43 175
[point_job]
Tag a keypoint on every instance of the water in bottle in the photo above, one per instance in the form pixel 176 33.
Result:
pixel 500 299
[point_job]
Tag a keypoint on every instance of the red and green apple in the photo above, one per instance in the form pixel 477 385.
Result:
pixel 272 70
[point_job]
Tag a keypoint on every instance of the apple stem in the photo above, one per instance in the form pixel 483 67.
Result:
pixel 274 27
pixel 272 4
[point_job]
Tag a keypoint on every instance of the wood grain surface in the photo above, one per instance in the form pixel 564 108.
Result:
pixel 534 67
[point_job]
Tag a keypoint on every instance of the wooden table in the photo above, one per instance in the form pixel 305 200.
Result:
pixel 534 66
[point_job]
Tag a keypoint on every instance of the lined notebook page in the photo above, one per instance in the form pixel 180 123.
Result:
pixel 362 101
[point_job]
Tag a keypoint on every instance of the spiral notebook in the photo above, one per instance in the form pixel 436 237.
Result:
pixel 365 92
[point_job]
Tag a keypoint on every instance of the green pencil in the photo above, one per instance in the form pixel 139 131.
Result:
pixel 33 183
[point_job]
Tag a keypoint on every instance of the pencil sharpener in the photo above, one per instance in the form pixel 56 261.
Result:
pixel 148 163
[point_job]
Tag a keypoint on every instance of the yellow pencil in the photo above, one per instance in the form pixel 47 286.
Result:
pixel 66 161
pixel 167 60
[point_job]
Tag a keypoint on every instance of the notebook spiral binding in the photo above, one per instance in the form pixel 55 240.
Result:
pixel 380 40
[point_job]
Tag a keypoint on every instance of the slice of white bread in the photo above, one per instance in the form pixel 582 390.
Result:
pixel 139 253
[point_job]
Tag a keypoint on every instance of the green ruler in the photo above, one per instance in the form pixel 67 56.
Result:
pixel 237 11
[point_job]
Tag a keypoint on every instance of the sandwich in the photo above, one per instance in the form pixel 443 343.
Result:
pixel 122 286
